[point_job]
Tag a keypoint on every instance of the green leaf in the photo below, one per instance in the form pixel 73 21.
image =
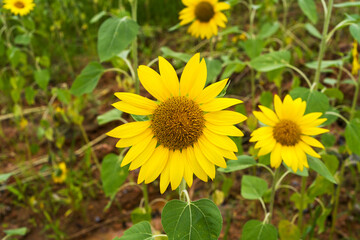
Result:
pixel 253 47
pixel 352 135
pixel 109 116
pixel 18 231
pixel 140 214
pixel 241 163
pixel 318 166
pixel 138 231
pixel 266 98
pixel 271 61
pixel 268 29
pixel 167 52
pixel 253 187
pixel 112 175
pixel 115 35
pixel 88 79
pixel 5 176
pixel 355 31
pixel 288 231
pixel 23 39
pixel 214 67
pixel 42 78
pixel 30 95
pixel 328 139
pixel 199 220
pixel 334 93
pixel 256 230
pixel 97 17
pixel 347 4
pixel 325 64
pixel 309 9
pixel 312 30
pixel 315 101
pixel 231 67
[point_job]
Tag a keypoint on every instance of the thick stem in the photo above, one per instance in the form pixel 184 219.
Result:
pixel 356 95
pixel 135 47
pixel 146 196
pixel 323 44
pixel 182 187
pixel 302 200
pixel 272 197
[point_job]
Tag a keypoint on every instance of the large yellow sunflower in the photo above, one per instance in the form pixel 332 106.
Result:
pixel 19 7
pixel 288 133
pixel 187 129
pixel 205 16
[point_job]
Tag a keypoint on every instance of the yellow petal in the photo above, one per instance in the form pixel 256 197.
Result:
pixel 313 131
pixel 176 169
pixel 188 173
pixel 153 83
pixel 127 142
pixel 205 164
pixel 165 177
pixel 156 163
pixel 258 136
pixel 227 154
pixel 193 163
pixel 262 131
pixel 142 158
pixel 129 129
pixel 312 141
pixel 169 77
pixel 265 142
pixel 221 6
pixel 129 108
pixel 198 83
pixel 314 123
pixel 224 118
pixel 278 106
pixel 269 114
pixel 224 130
pixel 262 118
pixel 189 74
pixel 209 150
pixel 301 157
pixel 211 92
pixel 309 118
pixel 275 156
pixel 135 151
pixel 137 100
pixel 308 149
pixel 267 148
pixel 218 104
pixel 286 155
pixel 220 140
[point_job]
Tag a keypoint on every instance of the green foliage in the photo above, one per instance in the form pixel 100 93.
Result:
pixel 318 166
pixel 315 101
pixel 109 116
pixel 288 231
pixel 241 163
pixel 199 220
pixel 271 61
pixel 115 35
pixel 88 79
pixel 255 229
pixel 13 232
pixel 253 187
pixel 139 231
pixel 309 9
pixel 352 135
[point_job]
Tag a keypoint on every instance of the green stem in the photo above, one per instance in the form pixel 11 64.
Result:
pixel 85 136
pixel 135 47
pixel 286 8
pixel 211 46
pixel 356 95
pixel 146 196
pixel 182 187
pixel 302 196
pixel 323 44
pixel 253 87
pixel 272 197
pixel 337 198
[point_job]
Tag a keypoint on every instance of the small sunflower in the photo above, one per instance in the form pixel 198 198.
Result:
pixel 187 129
pixel 19 7
pixel 288 133
pixel 205 16
pixel 59 174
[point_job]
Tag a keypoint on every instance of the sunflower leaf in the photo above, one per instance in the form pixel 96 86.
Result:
pixel 271 61
pixel 253 187
pixel 140 230
pixel 315 101
pixel 318 166
pixel 200 220
pixel 87 80
pixel 255 229
pixel 112 175
pixel 241 163
pixel 352 135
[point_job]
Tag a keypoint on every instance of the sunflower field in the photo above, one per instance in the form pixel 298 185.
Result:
pixel 179 119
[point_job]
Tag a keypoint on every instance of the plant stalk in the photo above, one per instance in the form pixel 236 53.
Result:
pixel 182 187
pixel 323 44
pixel 356 95
pixel 302 200
pixel 272 197
pixel 135 47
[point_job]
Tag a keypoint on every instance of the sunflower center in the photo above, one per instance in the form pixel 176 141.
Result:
pixel 204 11
pixel 287 133
pixel 178 123
pixel 19 4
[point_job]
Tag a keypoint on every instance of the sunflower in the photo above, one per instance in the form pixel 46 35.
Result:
pixel 59 175
pixel 205 16
pixel 187 129
pixel 19 7
pixel 288 133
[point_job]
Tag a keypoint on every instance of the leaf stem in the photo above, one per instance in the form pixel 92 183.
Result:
pixel 356 95
pixel 327 12
pixel 134 47
pixel 302 196
pixel 272 197
pixel 182 189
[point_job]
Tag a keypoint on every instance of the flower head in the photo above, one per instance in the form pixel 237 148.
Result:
pixel 205 16
pixel 187 129
pixel 288 134
pixel 59 174
pixel 19 7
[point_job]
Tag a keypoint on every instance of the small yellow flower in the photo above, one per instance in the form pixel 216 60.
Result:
pixel 205 16
pixel 19 7
pixel 23 123
pixel 288 134
pixel 355 63
pixel 59 174
pixel 187 128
